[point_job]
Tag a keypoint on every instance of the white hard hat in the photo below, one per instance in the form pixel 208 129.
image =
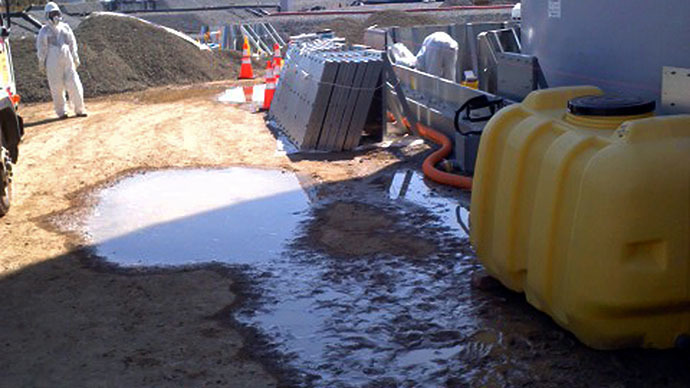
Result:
pixel 51 7
pixel 515 13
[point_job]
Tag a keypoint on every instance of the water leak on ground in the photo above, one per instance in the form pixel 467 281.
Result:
pixel 452 209
pixel 370 285
pixel 250 97
pixel 377 295
pixel 179 217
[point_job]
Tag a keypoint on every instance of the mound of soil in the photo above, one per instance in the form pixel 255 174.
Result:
pixel 123 54
pixel 348 229
pixel 353 30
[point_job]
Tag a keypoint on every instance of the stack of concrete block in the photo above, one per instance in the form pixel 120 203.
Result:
pixel 325 94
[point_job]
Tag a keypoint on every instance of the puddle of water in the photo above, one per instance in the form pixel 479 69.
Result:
pixel 420 356
pixel 358 320
pixel 380 320
pixel 178 217
pixel 244 94
pixel 346 321
pixel 410 185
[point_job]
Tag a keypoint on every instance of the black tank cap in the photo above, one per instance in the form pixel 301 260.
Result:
pixel 610 106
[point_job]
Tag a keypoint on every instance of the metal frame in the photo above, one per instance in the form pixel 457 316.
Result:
pixel 433 100
pixel 489 45
pixel 261 37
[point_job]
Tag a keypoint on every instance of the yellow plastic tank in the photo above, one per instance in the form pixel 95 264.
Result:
pixel 583 202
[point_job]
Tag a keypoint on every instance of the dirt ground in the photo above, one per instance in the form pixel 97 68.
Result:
pixel 66 323
pixel 70 319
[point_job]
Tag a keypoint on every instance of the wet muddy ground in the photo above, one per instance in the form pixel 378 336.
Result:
pixel 354 271
pixel 382 291
pixel 375 286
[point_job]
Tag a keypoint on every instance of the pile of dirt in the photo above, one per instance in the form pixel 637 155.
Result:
pixel 121 54
pixel 347 229
pixel 353 30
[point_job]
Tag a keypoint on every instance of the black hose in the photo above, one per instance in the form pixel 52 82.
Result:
pixel 479 102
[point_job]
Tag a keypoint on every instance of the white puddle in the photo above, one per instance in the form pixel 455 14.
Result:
pixel 178 217
pixel 243 95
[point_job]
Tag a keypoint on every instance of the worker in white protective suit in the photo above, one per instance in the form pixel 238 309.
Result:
pixel 402 55
pixel 439 56
pixel 58 58
pixel 516 12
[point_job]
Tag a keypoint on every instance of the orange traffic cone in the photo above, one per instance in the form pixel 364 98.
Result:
pixel 391 117
pixel 277 62
pixel 248 93
pixel 277 67
pixel 246 71
pixel 270 87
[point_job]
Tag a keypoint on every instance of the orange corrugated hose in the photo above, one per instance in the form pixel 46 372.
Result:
pixel 429 165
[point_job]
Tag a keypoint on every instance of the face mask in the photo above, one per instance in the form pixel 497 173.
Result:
pixel 55 19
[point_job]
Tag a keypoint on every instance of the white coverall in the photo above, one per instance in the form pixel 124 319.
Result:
pixel 402 55
pixel 439 56
pixel 57 54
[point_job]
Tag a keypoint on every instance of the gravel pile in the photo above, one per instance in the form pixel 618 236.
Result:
pixel 353 30
pixel 123 54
